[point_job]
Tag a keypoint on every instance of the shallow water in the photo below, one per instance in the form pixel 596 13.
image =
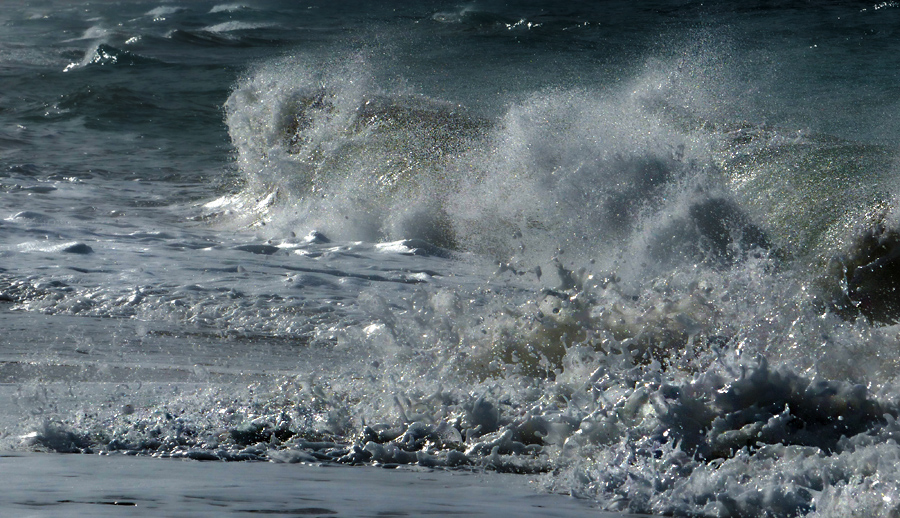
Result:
pixel 645 255
pixel 128 486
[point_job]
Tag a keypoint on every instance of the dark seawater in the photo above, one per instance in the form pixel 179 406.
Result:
pixel 645 253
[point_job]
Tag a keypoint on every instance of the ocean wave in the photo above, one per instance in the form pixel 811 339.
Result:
pixel 618 287
pixel 229 8
pixel 233 26
pixel 600 175
pixel 163 11
pixel 107 55
pixel 205 38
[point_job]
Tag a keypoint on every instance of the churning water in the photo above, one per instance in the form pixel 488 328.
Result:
pixel 645 253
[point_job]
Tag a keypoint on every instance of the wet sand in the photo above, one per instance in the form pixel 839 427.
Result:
pixel 50 485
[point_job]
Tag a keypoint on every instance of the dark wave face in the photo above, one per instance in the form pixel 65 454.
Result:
pixel 644 253
pixel 865 279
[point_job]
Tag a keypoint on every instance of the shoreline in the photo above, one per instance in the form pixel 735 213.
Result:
pixel 52 484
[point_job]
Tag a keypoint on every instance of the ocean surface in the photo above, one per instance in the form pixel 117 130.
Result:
pixel 642 253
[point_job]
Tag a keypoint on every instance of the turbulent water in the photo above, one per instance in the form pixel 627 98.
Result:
pixel 646 253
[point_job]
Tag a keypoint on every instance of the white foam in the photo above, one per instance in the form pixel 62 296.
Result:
pixel 162 11
pixel 236 26
pixel 228 8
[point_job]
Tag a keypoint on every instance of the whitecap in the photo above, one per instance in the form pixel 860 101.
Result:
pixel 163 11
pixel 236 26
pixel 72 247
pixel 30 215
pixel 95 32
pixel 228 8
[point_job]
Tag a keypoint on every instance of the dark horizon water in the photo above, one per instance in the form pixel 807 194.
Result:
pixel 645 253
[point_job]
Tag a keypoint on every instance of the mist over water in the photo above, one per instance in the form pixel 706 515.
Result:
pixel 642 254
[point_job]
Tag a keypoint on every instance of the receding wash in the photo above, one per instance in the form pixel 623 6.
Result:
pixel 642 253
